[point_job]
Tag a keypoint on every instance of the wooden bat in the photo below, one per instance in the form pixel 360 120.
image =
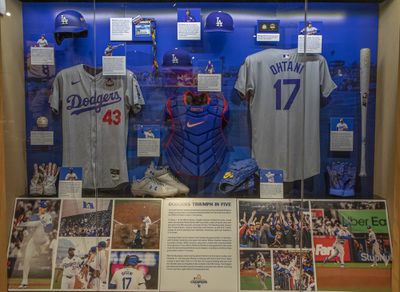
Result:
pixel 365 68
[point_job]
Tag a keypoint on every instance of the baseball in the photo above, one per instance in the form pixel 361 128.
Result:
pixel 42 122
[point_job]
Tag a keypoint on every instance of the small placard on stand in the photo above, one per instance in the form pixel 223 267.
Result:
pixel 342 134
pixel 70 183
pixel 271 184
pixel 209 82
pixel 42 138
pixel 148 142
pixel 120 29
pixel 114 65
pixel 42 56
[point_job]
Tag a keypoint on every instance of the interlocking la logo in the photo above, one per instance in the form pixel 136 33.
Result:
pixel 219 22
pixel 175 60
pixel 64 20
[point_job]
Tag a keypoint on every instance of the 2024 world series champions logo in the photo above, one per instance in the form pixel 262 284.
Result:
pixel 199 281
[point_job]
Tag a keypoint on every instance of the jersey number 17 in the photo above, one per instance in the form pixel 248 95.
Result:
pixel 278 92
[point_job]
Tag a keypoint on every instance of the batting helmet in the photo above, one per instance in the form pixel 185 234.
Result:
pixel 131 260
pixel 69 24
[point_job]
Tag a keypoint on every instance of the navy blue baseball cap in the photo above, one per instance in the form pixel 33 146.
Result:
pixel 70 21
pixel 177 58
pixel 219 22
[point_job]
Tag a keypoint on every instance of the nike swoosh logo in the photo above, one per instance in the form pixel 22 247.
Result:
pixel 189 125
pixel 75 82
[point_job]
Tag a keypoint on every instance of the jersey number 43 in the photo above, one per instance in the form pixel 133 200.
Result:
pixel 278 92
pixel 112 117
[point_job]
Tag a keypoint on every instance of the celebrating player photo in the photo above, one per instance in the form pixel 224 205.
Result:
pixel 137 224
pixel 86 218
pixel 255 270
pixel 32 243
pixel 133 271
pixel 352 242
pixel 266 224
pixel 82 263
pixel 293 270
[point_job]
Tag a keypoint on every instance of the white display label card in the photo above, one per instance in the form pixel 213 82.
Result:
pixel 42 138
pixel 268 37
pixel 314 44
pixel 209 82
pixel 148 141
pixel 70 182
pixel 120 29
pixel 271 184
pixel 114 65
pixel 189 31
pixel 342 134
pixel 200 245
pixel 42 56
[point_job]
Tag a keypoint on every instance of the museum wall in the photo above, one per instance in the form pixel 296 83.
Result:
pixel 12 133
pixel 386 131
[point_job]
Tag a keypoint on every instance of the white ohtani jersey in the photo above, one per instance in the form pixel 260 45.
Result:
pixel 284 88
pixel 95 111
pixel 128 279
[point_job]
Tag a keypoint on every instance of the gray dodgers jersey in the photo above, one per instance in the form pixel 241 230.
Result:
pixel 95 111
pixel 274 80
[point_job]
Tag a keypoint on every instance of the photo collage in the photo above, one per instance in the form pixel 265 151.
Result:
pixel 85 244
pixel 306 246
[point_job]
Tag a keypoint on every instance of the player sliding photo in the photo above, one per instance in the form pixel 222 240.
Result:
pixel 32 243
pixel 352 243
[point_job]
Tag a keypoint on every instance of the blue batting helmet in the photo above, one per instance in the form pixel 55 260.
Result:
pixel 69 23
pixel 132 260
pixel 93 249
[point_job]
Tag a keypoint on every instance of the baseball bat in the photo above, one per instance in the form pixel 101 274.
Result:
pixel 365 68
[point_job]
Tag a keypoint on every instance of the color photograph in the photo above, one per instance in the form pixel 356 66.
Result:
pixel 255 270
pixel 293 270
pixel 267 224
pixel 32 244
pixel 133 270
pixel 352 243
pixel 81 263
pixel 136 224
pixel 86 218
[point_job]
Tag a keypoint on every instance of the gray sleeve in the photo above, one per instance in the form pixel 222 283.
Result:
pixel 133 92
pixel 56 94
pixel 325 80
pixel 245 83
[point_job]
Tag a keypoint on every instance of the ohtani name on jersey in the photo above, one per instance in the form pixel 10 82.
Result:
pixel 286 66
pixel 79 104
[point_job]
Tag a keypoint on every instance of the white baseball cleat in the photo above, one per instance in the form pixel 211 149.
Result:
pixel 23 286
pixel 164 175
pixel 149 186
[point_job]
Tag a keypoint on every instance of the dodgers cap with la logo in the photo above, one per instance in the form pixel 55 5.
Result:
pixel 177 58
pixel 219 22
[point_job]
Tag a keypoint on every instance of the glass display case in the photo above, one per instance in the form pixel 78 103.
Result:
pixel 157 145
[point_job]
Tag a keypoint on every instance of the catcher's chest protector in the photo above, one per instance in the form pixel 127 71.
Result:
pixel 196 144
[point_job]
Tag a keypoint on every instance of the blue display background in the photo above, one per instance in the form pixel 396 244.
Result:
pixel 346 29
